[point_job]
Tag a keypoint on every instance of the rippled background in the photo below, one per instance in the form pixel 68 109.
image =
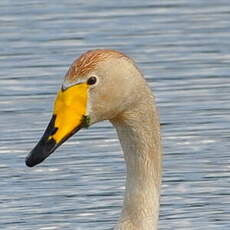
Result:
pixel 182 46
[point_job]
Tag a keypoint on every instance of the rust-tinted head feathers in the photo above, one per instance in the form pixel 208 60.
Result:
pixel 88 61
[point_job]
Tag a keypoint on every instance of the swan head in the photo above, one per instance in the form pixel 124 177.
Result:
pixel 99 85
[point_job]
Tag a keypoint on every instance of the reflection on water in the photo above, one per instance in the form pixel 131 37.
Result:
pixel 183 48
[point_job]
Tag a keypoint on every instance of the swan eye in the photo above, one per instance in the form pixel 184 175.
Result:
pixel 92 80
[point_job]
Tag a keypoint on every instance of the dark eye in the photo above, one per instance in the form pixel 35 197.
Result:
pixel 92 80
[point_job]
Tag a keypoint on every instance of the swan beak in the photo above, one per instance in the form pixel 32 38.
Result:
pixel 69 116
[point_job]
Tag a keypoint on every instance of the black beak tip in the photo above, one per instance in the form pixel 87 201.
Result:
pixel 40 152
pixel 44 147
pixel 47 145
pixel 29 162
pixel 33 159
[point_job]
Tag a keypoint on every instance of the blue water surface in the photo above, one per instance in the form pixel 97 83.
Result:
pixel 183 48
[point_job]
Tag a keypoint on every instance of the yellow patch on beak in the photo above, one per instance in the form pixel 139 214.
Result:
pixel 70 114
pixel 69 108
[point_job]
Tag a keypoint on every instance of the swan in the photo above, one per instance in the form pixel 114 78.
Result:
pixel 106 84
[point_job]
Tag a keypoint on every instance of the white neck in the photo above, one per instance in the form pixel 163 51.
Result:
pixel 139 133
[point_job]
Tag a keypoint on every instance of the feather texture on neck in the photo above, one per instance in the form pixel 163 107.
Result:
pixel 139 133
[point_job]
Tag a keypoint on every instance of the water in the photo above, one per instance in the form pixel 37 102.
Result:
pixel 182 46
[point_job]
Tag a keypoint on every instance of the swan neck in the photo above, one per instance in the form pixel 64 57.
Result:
pixel 139 133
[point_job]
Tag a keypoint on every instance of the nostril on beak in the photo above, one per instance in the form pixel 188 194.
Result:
pixel 50 144
pixel 54 131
